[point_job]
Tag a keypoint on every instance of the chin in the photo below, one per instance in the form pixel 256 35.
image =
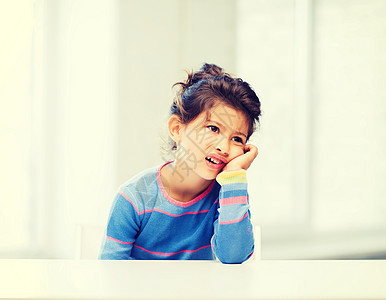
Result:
pixel 209 175
pixel 206 173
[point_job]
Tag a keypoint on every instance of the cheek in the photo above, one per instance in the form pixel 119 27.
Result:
pixel 203 139
pixel 195 143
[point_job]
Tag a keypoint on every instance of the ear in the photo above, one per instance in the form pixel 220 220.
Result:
pixel 175 127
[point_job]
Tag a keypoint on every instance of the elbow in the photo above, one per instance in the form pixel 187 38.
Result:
pixel 232 260
pixel 234 257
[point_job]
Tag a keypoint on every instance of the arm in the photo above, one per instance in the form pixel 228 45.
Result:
pixel 122 228
pixel 233 241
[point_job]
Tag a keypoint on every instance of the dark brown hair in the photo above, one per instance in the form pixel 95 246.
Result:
pixel 204 88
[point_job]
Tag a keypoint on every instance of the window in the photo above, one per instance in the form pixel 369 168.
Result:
pixel 319 67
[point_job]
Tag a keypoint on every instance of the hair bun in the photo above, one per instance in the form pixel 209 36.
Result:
pixel 212 70
pixel 207 71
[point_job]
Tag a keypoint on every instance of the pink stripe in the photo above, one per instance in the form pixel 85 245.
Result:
pixel 233 200
pixel 168 254
pixel 145 211
pixel 127 198
pixel 161 211
pixel 188 213
pixel 171 200
pixel 175 202
pixel 118 241
pixel 173 215
pixel 234 221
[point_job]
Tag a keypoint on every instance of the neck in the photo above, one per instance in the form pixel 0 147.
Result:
pixel 181 183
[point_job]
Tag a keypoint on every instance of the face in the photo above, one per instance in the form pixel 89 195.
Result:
pixel 211 140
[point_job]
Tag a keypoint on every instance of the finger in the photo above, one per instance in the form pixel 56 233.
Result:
pixel 248 147
pixel 252 149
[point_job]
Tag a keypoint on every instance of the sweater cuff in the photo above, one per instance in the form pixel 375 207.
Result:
pixel 237 176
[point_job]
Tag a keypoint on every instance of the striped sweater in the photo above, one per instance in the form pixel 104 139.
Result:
pixel 146 223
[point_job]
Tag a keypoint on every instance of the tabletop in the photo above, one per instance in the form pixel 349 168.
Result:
pixel 261 279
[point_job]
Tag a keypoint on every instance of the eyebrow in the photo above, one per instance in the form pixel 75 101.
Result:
pixel 240 133
pixel 220 125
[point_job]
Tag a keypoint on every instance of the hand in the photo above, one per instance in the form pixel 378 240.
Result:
pixel 242 161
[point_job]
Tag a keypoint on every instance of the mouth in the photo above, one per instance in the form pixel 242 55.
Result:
pixel 214 163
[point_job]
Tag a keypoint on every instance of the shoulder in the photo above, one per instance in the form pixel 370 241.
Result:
pixel 144 179
pixel 140 190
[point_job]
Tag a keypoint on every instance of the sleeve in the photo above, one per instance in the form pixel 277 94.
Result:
pixel 122 228
pixel 233 241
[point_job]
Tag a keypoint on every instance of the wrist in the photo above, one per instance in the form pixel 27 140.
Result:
pixel 232 168
pixel 232 176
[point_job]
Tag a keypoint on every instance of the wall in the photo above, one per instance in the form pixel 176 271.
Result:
pixel 318 182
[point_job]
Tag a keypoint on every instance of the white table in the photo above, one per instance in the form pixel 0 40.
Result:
pixel 266 279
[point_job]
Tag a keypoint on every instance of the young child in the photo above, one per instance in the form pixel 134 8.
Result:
pixel 196 206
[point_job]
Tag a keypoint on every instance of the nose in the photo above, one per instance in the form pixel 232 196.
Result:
pixel 223 147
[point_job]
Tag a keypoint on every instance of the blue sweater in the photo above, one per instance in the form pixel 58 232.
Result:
pixel 146 223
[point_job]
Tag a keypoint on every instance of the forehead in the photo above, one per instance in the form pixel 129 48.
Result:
pixel 229 117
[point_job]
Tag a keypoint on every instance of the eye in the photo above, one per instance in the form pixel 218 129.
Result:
pixel 213 128
pixel 238 139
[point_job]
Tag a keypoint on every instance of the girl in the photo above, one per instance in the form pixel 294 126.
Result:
pixel 195 207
